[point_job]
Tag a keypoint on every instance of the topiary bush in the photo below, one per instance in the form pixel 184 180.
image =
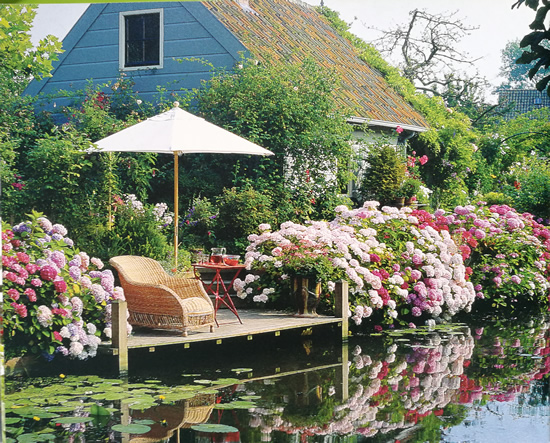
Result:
pixel 384 173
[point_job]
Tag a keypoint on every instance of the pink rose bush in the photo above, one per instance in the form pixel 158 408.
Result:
pixel 406 265
pixel 49 307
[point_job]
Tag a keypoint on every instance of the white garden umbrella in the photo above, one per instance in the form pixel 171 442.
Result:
pixel 178 132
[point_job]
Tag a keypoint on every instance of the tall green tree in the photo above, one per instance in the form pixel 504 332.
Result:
pixel 20 61
pixel 290 109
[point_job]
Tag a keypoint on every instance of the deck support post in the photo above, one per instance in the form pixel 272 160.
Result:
pixel 342 375
pixel 119 334
pixel 341 306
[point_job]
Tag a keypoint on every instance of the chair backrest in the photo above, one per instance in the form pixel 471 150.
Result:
pixel 137 269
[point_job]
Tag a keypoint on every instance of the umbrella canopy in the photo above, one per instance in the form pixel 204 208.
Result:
pixel 178 132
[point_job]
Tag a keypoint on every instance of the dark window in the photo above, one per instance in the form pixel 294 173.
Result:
pixel 142 40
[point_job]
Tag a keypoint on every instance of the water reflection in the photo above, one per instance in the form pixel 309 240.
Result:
pixel 458 383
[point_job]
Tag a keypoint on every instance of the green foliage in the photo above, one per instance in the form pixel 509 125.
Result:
pixel 537 53
pixel 19 59
pixel 287 108
pixel 64 182
pixel 529 185
pixel 384 174
pixel 516 75
pixel 19 62
pixel 410 187
pixel 137 229
pixel 497 198
pixel 448 142
pixel 240 213
pixel 197 225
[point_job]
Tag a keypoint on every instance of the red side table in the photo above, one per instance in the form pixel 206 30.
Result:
pixel 217 286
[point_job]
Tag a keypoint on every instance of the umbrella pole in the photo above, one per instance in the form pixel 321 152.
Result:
pixel 176 214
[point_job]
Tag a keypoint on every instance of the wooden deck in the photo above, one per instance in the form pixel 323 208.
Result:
pixel 255 322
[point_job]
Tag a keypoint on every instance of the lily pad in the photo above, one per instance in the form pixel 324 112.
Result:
pixel 132 429
pixel 72 420
pixel 241 370
pixel 99 410
pixel 144 422
pixel 242 404
pixel 59 408
pixel 210 427
pixel 24 438
pixel 227 381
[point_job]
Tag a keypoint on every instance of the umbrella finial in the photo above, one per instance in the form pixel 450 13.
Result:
pixel 176 104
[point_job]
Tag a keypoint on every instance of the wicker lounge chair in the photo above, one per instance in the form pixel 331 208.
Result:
pixel 158 300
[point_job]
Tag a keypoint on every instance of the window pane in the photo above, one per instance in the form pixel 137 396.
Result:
pixel 142 35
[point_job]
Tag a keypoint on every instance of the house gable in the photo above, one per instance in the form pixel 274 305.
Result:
pixel 220 32
pixel 92 50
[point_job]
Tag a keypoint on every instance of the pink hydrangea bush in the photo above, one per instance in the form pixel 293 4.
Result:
pixel 407 265
pixel 57 300
pixel 509 253
pixel 395 267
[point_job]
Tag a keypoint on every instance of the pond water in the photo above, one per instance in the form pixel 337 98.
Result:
pixel 483 382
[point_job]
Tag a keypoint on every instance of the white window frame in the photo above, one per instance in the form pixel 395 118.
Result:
pixel 122 39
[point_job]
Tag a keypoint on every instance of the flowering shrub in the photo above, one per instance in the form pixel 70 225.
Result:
pixel 508 252
pixel 56 299
pixel 407 264
pixel 394 265
pixel 138 229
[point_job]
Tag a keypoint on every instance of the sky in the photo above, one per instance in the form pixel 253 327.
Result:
pixel 497 22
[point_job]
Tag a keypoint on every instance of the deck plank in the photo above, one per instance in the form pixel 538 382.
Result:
pixel 255 322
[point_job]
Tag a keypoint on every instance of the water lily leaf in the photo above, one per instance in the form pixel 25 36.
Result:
pixel 116 396
pixel 99 410
pixel 24 438
pixel 251 397
pixel 227 381
pixel 204 382
pixel 241 370
pixel 224 406
pixel 176 396
pixel 209 391
pixel 13 431
pixel 210 427
pixel 141 406
pixel 26 411
pixel 12 420
pixel 59 408
pixel 152 381
pixel 144 422
pixel 187 388
pixel 132 429
pixel 43 414
pixel 242 404
pixel 190 375
pixel 72 420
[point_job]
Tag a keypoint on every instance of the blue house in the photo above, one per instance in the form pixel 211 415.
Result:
pixel 175 45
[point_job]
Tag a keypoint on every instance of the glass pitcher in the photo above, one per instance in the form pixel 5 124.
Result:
pixel 217 255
